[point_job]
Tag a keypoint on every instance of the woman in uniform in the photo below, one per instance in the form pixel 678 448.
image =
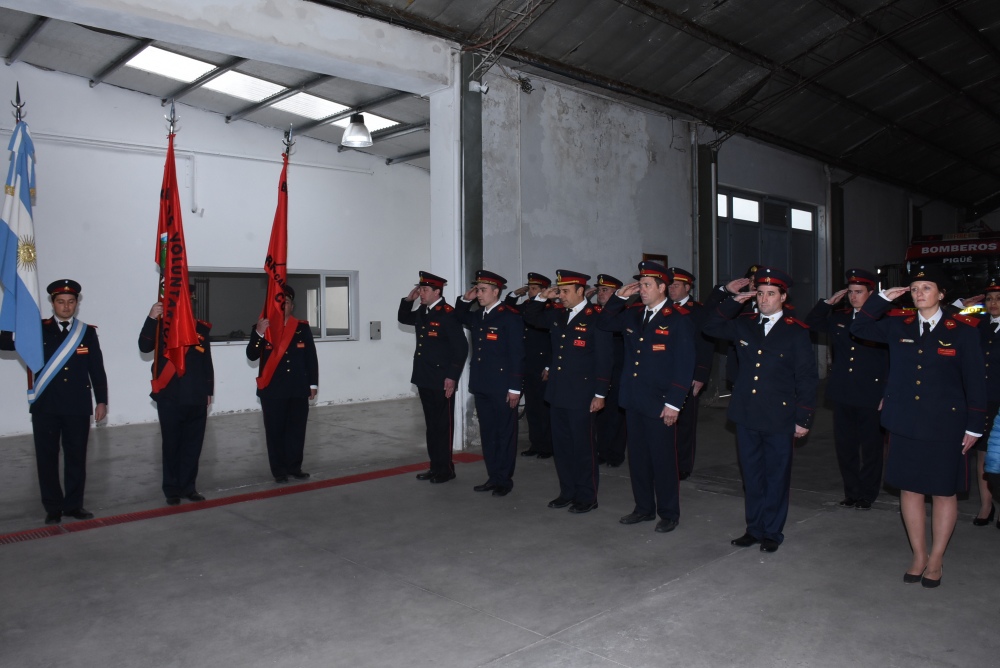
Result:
pixel 934 409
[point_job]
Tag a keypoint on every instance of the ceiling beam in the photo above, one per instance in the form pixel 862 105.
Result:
pixel 202 80
pixel 360 109
pixel 409 157
pixel 278 97
pixel 26 39
pixel 973 34
pixel 119 62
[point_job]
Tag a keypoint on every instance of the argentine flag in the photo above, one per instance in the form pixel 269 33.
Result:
pixel 20 308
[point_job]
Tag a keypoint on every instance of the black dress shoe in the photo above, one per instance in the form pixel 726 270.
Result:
pixel 444 477
pixel 426 475
pixel 910 578
pixel 485 487
pixel 847 502
pixel 928 583
pixel 981 522
pixel 863 504
pixel 560 502
pixel 195 496
pixel 300 475
pixel 580 508
pixel 501 491
pixel 79 514
pixel 746 540
pixel 768 545
pixel 684 475
pixel 635 518
pixel 529 453
pixel 280 478
pixel 666 526
pixel 53 518
pixel 545 455
pixel 173 500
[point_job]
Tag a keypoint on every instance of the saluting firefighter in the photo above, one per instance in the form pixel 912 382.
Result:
pixel 181 405
pixel 774 397
pixel 609 423
pixel 856 386
pixel 61 401
pixel 934 409
pixel 496 370
pixel 687 422
pixel 288 378
pixel 579 377
pixel 437 365
pixel 537 354
pixel 659 367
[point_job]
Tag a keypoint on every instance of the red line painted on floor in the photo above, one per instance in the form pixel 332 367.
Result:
pixel 98 522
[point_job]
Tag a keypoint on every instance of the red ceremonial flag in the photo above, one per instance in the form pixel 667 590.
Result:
pixel 275 267
pixel 177 323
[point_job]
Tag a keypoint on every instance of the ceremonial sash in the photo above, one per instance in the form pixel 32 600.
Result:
pixel 166 375
pixel 277 353
pixel 63 352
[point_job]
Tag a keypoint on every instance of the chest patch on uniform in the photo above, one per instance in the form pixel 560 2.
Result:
pixel 435 324
pixel 82 350
pixel 432 332
pixel 580 343
pixel 300 345
pixel 950 324
pixel 491 336
pixel 659 347
pixel 580 328
pixel 906 340
pixel 909 321
pixel 662 332
pixel 947 352
pixel 743 343
pixel 840 324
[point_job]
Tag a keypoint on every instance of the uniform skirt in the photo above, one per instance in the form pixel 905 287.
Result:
pixel 935 467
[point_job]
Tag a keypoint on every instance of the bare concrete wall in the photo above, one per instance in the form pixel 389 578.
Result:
pixel 576 181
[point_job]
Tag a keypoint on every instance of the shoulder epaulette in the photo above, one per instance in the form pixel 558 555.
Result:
pixel 795 321
pixel 899 312
pixel 788 307
pixel 749 314
pixel 694 302
pixel 46 321
pixel 597 308
pixel 966 319
pixel 304 322
pixel 637 304
pixel 555 305
pixel 508 307
pixel 682 310
pixel 207 324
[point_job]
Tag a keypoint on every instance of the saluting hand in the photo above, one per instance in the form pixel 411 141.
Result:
pixel 737 284
pixel 895 293
pixel 523 290
pixel 550 293
pixel 837 296
pixel 742 297
pixel 470 294
pixel 628 290
pixel 414 293
pixel 970 301
pixel 589 292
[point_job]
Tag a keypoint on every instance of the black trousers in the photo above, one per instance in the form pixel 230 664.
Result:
pixel 498 430
pixel 652 462
pixel 73 431
pixel 536 412
pixel 439 418
pixel 182 428
pixel 609 428
pixel 766 464
pixel 285 430
pixel 860 445
pixel 687 433
pixel 574 452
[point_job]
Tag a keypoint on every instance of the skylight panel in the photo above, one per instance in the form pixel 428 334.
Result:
pixel 243 86
pixel 372 122
pixel 168 64
pixel 310 106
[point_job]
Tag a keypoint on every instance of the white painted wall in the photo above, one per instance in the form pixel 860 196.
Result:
pixel 95 221
pixel 572 180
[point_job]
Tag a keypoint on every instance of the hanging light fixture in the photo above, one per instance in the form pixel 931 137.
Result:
pixel 356 135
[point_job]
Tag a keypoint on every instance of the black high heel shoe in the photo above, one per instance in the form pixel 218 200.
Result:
pixel 982 522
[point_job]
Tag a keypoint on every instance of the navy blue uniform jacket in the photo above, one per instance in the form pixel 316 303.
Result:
pixel 659 359
pixel 860 367
pixel 69 391
pixel 496 364
pixel 296 372
pixel 704 345
pixel 991 351
pixel 582 354
pixel 775 387
pixel 441 344
pixel 937 388
pixel 537 347
pixel 198 382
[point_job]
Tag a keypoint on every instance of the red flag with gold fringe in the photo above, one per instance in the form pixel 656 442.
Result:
pixel 276 270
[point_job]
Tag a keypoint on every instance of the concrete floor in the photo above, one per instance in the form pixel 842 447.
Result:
pixel 395 572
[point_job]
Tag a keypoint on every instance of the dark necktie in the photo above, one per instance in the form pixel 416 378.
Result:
pixel 647 317
pixel 678 304
pixel 762 326
pixel 423 310
pixel 65 327
pixel 927 329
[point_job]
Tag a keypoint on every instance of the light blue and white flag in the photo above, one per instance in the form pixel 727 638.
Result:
pixel 20 307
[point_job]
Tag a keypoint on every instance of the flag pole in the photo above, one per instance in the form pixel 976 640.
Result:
pixel 171 131
pixel 19 115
